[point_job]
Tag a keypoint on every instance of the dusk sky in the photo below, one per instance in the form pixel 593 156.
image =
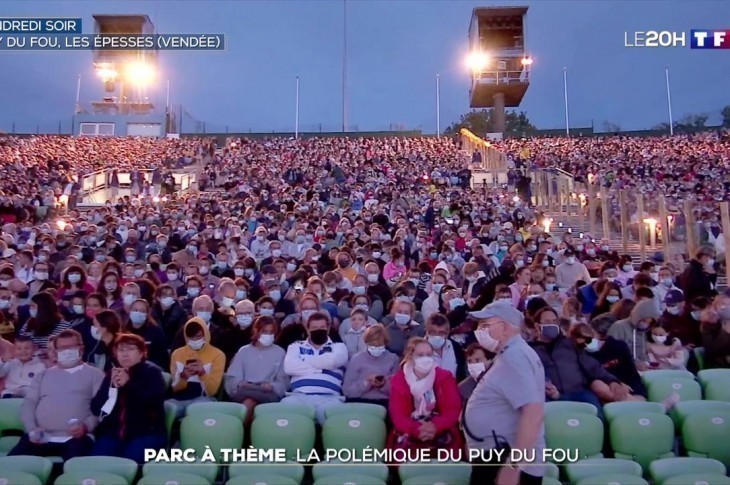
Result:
pixel 395 50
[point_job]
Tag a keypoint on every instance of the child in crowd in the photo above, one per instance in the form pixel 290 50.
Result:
pixel 19 370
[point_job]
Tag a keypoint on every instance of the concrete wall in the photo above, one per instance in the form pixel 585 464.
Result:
pixel 120 121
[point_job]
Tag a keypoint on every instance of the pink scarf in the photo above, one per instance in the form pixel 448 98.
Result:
pixel 424 398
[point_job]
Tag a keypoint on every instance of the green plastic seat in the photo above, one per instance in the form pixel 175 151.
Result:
pixel 293 432
pixel 551 470
pixel 709 375
pixel 551 481
pixel 270 479
pixel 457 473
pixel 211 430
pixel 92 477
pixel 698 479
pixel 654 375
pixel 37 466
pixel 575 431
pixel 354 432
pixel 13 477
pixel 283 408
pixel 170 416
pixel 682 410
pixel 642 437
pixel 357 408
pixel 613 409
pixel 209 471
pixel 232 408
pixel 707 434
pixel 572 407
pixel 326 469
pixel 590 467
pixel 430 480
pixel 349 479
pixel 10 422
pixel 292 470
pixel 699 353
pixel 687 388
pixel 613 479
pixel 174 479
pixel 122 467
pixel 662 470
pixel 167 377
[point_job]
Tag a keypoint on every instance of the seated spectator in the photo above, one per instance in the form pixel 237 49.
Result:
pixel 477 363
pixel 130 403
pixel 256 374
pixel 424 402
pixel 677 320
pixel 716 339
pixel 56 410
pixel 447 354
pixel 104 328
pixel 369 372
pixel 633 330
pixel 403 327
pixel 699 277
pixel 665 351
pixel 45 321
pixel 168 312
pixel 610 293
pixel 197 368
pixel 569 370
pixel 141 323
pixel 19 370
pixel 316 367
pixel 614 355
pixel 569 272
pixel 352 337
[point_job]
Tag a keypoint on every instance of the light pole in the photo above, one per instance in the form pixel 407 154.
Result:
pixel 669 103
pixel 438 107
pixel 344 67
pixel 565 92
pixel 296 112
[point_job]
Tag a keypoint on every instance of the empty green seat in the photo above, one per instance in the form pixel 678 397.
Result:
pixel 653 375
pixel 590 467
pixel 684 409
pixel 122 467
pixel 642 437
pixel 13 477
pixel 235 409
pixel 283 408
pixel 698 479
pixel 613 479
pixel 699 353
pixel 572 431
pixel 208 471
pixel 715 384
pixel 457 473
pixel 291 470
pixel 167 377
pixel 293 432
pixel 550 481
pixel 687 388
pixel 325 469
pixel 170 415
pixel 351 479
pixel 613 409
pixel 92 477
pixel 35 465
pixel 357 408
pixel 430 480
pixel 354 432
pixel 571 407
pixel 174 479
pixel 707 435
pixel 662 470
pixel 552 470
pixel 11 426
pixel 270 479
pixel 211 430
pixel 708 375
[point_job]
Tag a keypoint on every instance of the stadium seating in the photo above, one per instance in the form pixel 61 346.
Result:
pixel 271 479
pixel 642 437
pixel 91 477
pixel 170 415
pixel 698 479
pixel 354 432
pixel 707 434
pixel 211 430
pixel 35 465
pixel 708 375
pixel 174 479
pixel 715 384
pixel 583 469
pixel 11 477
pixel 10 421
pixel 687 388
pixel 127 469
pixel 654 375
pixel 684 409
pixel 234 409
pixel 283 408
pixel 290 471
pixel 357 408
pixel 208 471
pixel 445 473
pixel 168 379
pixel 354 479
pixel 662 470
pixel 294 432
pixel 613 409
pixel 613 479
pixel 699 353
pixel 580 431
pixel 553 407
pixel 378 471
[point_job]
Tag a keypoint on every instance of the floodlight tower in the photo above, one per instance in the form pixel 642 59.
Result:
pixel 498 60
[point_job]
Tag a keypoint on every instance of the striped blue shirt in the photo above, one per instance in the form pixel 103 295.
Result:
pixel 309 375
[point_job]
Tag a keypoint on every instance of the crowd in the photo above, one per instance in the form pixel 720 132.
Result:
pixel 327 271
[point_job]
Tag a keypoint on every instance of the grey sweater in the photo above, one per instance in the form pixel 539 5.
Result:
pixel 58 395
pixel 363 365
pixel 257 365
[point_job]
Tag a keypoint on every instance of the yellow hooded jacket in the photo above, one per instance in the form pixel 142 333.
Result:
pixel 213 360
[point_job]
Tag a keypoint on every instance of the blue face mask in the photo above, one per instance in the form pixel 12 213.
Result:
pixel 33 312
pixel 549 332
pixel 137 318
pixel 436 341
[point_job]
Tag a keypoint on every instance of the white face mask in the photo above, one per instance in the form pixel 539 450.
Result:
pixel 593 346
pixel 376 351
pixel 68 357
pixel 266 339
pixel 227 302
pixel 486 340
pixel 612 299
pixel 627 268
pixel 659 339
pixel 423 364
pixel 668 282
pixel 196 344
pixel 244 320
pixel 674 310
pixel 129 299
pixel 95 333
pixel 172 276
pixel 570 260
pixel 476 369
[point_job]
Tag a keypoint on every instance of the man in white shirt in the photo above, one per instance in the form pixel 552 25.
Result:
pixel 316 367
pixel 569 272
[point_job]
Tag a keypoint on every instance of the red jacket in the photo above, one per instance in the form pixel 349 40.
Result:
pixel 445 417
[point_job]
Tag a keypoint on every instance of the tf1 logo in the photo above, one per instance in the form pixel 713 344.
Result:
pixel 698 39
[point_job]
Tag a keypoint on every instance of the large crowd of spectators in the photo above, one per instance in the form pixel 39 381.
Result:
pixel 324 271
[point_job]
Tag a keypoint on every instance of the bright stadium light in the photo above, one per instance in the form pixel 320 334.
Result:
pixel 140 73
pixel 526 61
pixel 477 61
pixel 106 72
